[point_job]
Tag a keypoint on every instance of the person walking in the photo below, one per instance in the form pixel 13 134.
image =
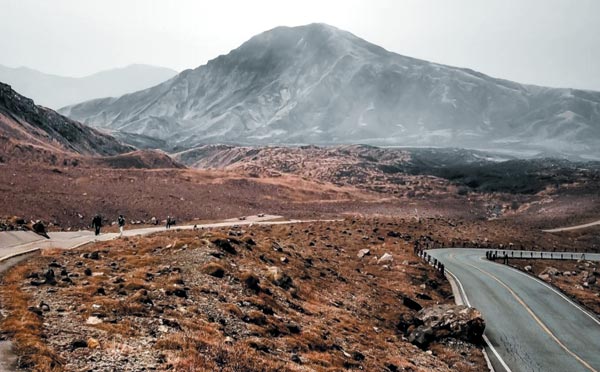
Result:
pixel 97 224
pixel 168 222
pixel 121 222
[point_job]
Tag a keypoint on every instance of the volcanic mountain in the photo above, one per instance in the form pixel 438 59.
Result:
pixel 321 85
pixel 31 132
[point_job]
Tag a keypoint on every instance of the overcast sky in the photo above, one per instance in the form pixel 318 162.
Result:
pixel 544 42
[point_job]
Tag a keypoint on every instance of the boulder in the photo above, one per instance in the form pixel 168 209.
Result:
pixel 544 277
pixel 448 321
pixel 528 268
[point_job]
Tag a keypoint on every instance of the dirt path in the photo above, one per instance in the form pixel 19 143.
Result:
pixel 577 227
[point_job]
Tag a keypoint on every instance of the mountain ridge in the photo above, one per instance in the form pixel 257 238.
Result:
pixel 55 91
pixel 318 84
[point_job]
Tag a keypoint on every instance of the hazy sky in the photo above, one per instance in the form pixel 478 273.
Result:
pixel 545 42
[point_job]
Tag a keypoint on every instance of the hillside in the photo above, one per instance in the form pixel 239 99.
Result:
pixel 58 91
pixel 31 132
pixel 398 172
pixel 320 85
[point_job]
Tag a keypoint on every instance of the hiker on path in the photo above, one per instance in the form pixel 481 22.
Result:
pixel 121 222
pixel 168 222
pixel 97 224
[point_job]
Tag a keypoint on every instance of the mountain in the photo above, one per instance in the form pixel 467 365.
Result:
pixel 34 133
pixel 58 91
pixel 321 85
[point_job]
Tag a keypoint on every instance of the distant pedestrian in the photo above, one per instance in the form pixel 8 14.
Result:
pixel 97 224
pixel 121 222
pixel 168 222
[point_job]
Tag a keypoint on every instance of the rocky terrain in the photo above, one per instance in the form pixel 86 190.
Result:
pixel 58 91
pixel 320 85
pixel 578 279
pixel 400 171
pixel 323 296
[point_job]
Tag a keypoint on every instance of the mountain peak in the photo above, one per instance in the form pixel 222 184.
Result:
pixel 321 85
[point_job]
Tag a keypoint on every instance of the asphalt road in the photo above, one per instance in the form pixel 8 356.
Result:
pixel 529 325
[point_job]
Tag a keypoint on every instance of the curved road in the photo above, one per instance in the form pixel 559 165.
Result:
pixel 530 325
pixel 585 225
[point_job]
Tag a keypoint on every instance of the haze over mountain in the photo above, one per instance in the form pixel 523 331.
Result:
pixel 321 85
pixel 58 91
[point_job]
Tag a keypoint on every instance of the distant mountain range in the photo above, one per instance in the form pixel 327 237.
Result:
pixel 320 85
pixel 58 91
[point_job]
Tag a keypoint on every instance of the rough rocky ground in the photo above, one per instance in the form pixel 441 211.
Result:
pixel 578 279
pixel 265 298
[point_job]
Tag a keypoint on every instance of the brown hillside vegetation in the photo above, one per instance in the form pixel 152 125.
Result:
pixel 266 298
pixel 67 196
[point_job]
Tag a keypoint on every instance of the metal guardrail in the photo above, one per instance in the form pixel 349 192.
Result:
pixel 494 255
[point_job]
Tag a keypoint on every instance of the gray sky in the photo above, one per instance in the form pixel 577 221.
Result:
pixel 545 42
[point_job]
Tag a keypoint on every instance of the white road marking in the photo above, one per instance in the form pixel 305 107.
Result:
pixel 487 341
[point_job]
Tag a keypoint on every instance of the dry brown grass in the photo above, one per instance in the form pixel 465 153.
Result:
pixel 24 327
pixel 335 312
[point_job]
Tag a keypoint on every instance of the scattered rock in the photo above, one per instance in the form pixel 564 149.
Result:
pixel 551 271
pixel 49 277
pixel 544 277
pixel 180 292
pixel 363 252
pixel 225 244
pixel 76 344
pixel 423 296
pixel 411 304
pixel 385 258
pixel 278 277
pixel 93 320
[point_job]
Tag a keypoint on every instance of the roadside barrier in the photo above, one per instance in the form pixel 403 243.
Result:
pixel 504 255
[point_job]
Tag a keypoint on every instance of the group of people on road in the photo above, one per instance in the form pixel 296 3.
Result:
pixel 97 224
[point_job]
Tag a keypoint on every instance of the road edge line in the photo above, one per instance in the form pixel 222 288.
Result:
pixel 555 290
pixel 17 254
pixel 487 341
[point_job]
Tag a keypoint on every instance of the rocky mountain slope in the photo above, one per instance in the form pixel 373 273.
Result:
pixel 398 172
pixel 29 131
pixel 58 91
pixel 321 85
